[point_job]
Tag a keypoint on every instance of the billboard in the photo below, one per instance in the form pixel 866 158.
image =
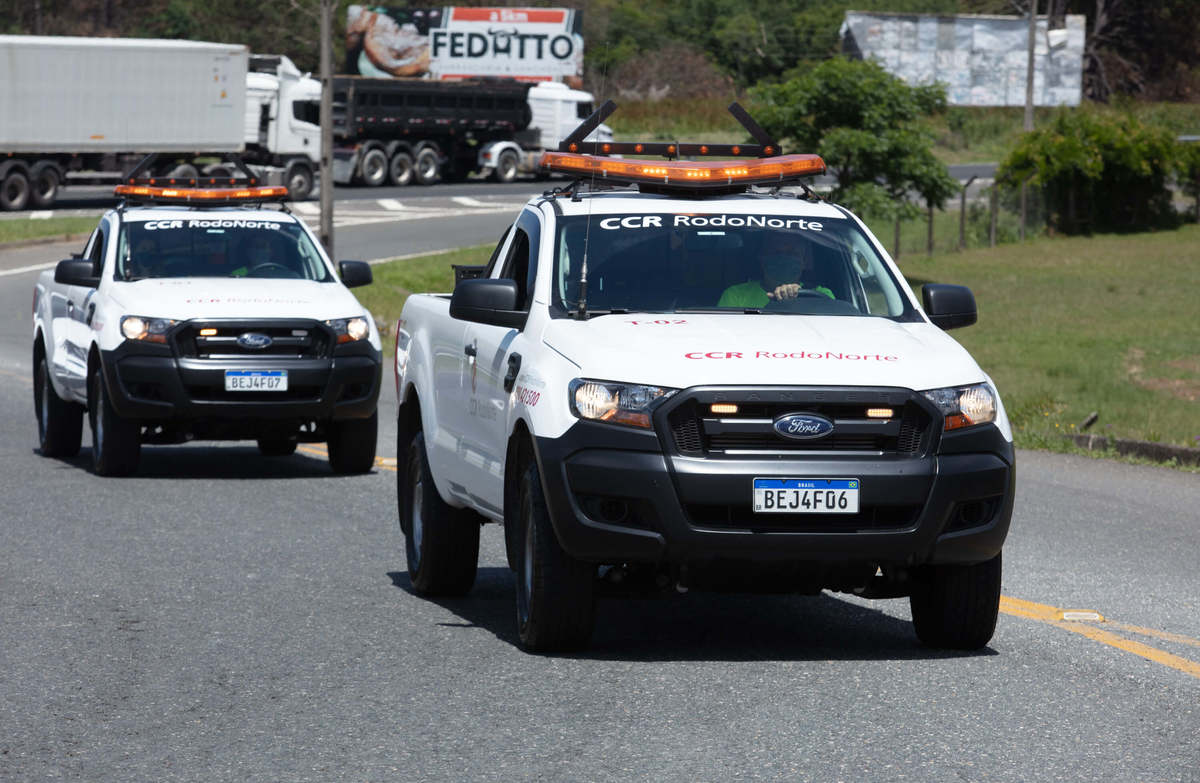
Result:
pixel 454 42
pixel 982 60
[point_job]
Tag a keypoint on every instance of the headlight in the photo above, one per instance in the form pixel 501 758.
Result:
pixel 349 330
pixel 964 406
pixel 151 330
pixel 615 403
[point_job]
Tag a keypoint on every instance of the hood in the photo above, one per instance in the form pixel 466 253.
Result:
pixel 693 350
pixel 182 298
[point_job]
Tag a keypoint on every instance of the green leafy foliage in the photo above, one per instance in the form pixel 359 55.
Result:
pixel 865 123
pixel 1099 171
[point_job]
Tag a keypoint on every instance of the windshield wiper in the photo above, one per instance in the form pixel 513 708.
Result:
pixel 742 310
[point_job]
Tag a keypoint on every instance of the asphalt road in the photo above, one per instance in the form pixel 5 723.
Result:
pixel 223 616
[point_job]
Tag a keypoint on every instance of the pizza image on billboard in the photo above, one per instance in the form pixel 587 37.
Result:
pixel 527 44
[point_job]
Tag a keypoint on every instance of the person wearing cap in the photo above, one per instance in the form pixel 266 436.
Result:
pixel 784 262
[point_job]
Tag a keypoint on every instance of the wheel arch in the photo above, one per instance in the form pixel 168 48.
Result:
pixel 521 450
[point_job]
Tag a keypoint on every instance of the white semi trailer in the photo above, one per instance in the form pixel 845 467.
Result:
pixel 86 110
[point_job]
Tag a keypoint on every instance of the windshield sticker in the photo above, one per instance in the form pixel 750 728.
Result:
pixel 834 355
pixel 710 221
pixel 163 225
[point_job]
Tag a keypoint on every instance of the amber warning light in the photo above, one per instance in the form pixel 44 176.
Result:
pixel 202 195
pixel 686 174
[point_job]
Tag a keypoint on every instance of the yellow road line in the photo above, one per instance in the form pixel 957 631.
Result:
pixel 317 450
pixel 1052 615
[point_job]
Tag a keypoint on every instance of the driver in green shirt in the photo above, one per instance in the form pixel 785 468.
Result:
pixel 784 261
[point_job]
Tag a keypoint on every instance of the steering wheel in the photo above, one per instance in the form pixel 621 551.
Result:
pixel 287 271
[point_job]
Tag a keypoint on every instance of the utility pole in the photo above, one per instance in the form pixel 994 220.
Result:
pixel 1029 69
pixel 326 168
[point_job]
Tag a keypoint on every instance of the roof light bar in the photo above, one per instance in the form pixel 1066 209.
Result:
pixel 161 195
pixel 686 174
pixel 670 149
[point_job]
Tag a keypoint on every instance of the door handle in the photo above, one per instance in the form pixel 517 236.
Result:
pixel 514 367
pixel 470 350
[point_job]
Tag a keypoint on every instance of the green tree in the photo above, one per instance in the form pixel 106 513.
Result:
pixel 866 124
pixel 1100 171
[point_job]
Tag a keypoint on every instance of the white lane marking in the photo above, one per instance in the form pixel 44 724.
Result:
pixel 306 208
pixel 41 214
pixel 390 204
pixel 467 201
pixel 23 269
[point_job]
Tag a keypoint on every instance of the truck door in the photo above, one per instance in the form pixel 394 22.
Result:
pixel 497 361
pixel 455 445
pixel 76 335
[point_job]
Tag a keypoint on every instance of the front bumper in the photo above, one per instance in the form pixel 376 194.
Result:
pixel 151 384
pixel 618 495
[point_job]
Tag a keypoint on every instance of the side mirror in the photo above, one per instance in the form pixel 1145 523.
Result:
pixel 355 273
pixel 487 301
pixel 949 306
pixel 74 271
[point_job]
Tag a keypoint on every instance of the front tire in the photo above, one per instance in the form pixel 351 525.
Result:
pixel 352 444
pixel 441 543
pixel 506 167
pixel 556 594
pixel 955 606
pixel 299 180
pixel 116 442
pixel 60 423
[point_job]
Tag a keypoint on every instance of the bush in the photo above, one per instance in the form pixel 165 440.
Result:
pixel 865 123
pixel 1097 171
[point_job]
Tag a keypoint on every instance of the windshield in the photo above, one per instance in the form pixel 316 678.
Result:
pixel 723 262
pixel 217 246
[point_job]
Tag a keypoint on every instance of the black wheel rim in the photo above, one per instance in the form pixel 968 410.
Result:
pixel 525 576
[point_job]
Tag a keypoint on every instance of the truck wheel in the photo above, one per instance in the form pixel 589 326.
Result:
pixel 116 442
pixel 955 606
pixel 60 423
pixel 506 167
pixel 352 444
pixel 277 445
pixel 374 168
pixel 556 594
pixel 299 181
pixel 441 543
pixel 400 171
pixel 14 191
pixel 44 182
pixel 426 166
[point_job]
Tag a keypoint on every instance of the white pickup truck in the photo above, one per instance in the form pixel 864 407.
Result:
pixel 198 314
pixel 694 383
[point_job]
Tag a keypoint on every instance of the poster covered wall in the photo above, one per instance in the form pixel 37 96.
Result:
pixel 982 60
pixel 529 44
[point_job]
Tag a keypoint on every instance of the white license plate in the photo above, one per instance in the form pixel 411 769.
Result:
pixel 805 496
pixel 256 380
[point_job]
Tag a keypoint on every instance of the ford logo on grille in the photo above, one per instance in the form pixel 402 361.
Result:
pixel 803 426
pixel 254 341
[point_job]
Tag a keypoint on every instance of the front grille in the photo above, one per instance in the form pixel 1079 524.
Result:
pixel 694 431
pixel 289 340
pixel 742 517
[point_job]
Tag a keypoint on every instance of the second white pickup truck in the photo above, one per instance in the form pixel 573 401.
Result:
pixel 692 382
pixel 198 314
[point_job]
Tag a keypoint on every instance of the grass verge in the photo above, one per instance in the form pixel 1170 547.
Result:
pixel 1066 327
pixel 395 280
pixel 18 229
pixel 1071 326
